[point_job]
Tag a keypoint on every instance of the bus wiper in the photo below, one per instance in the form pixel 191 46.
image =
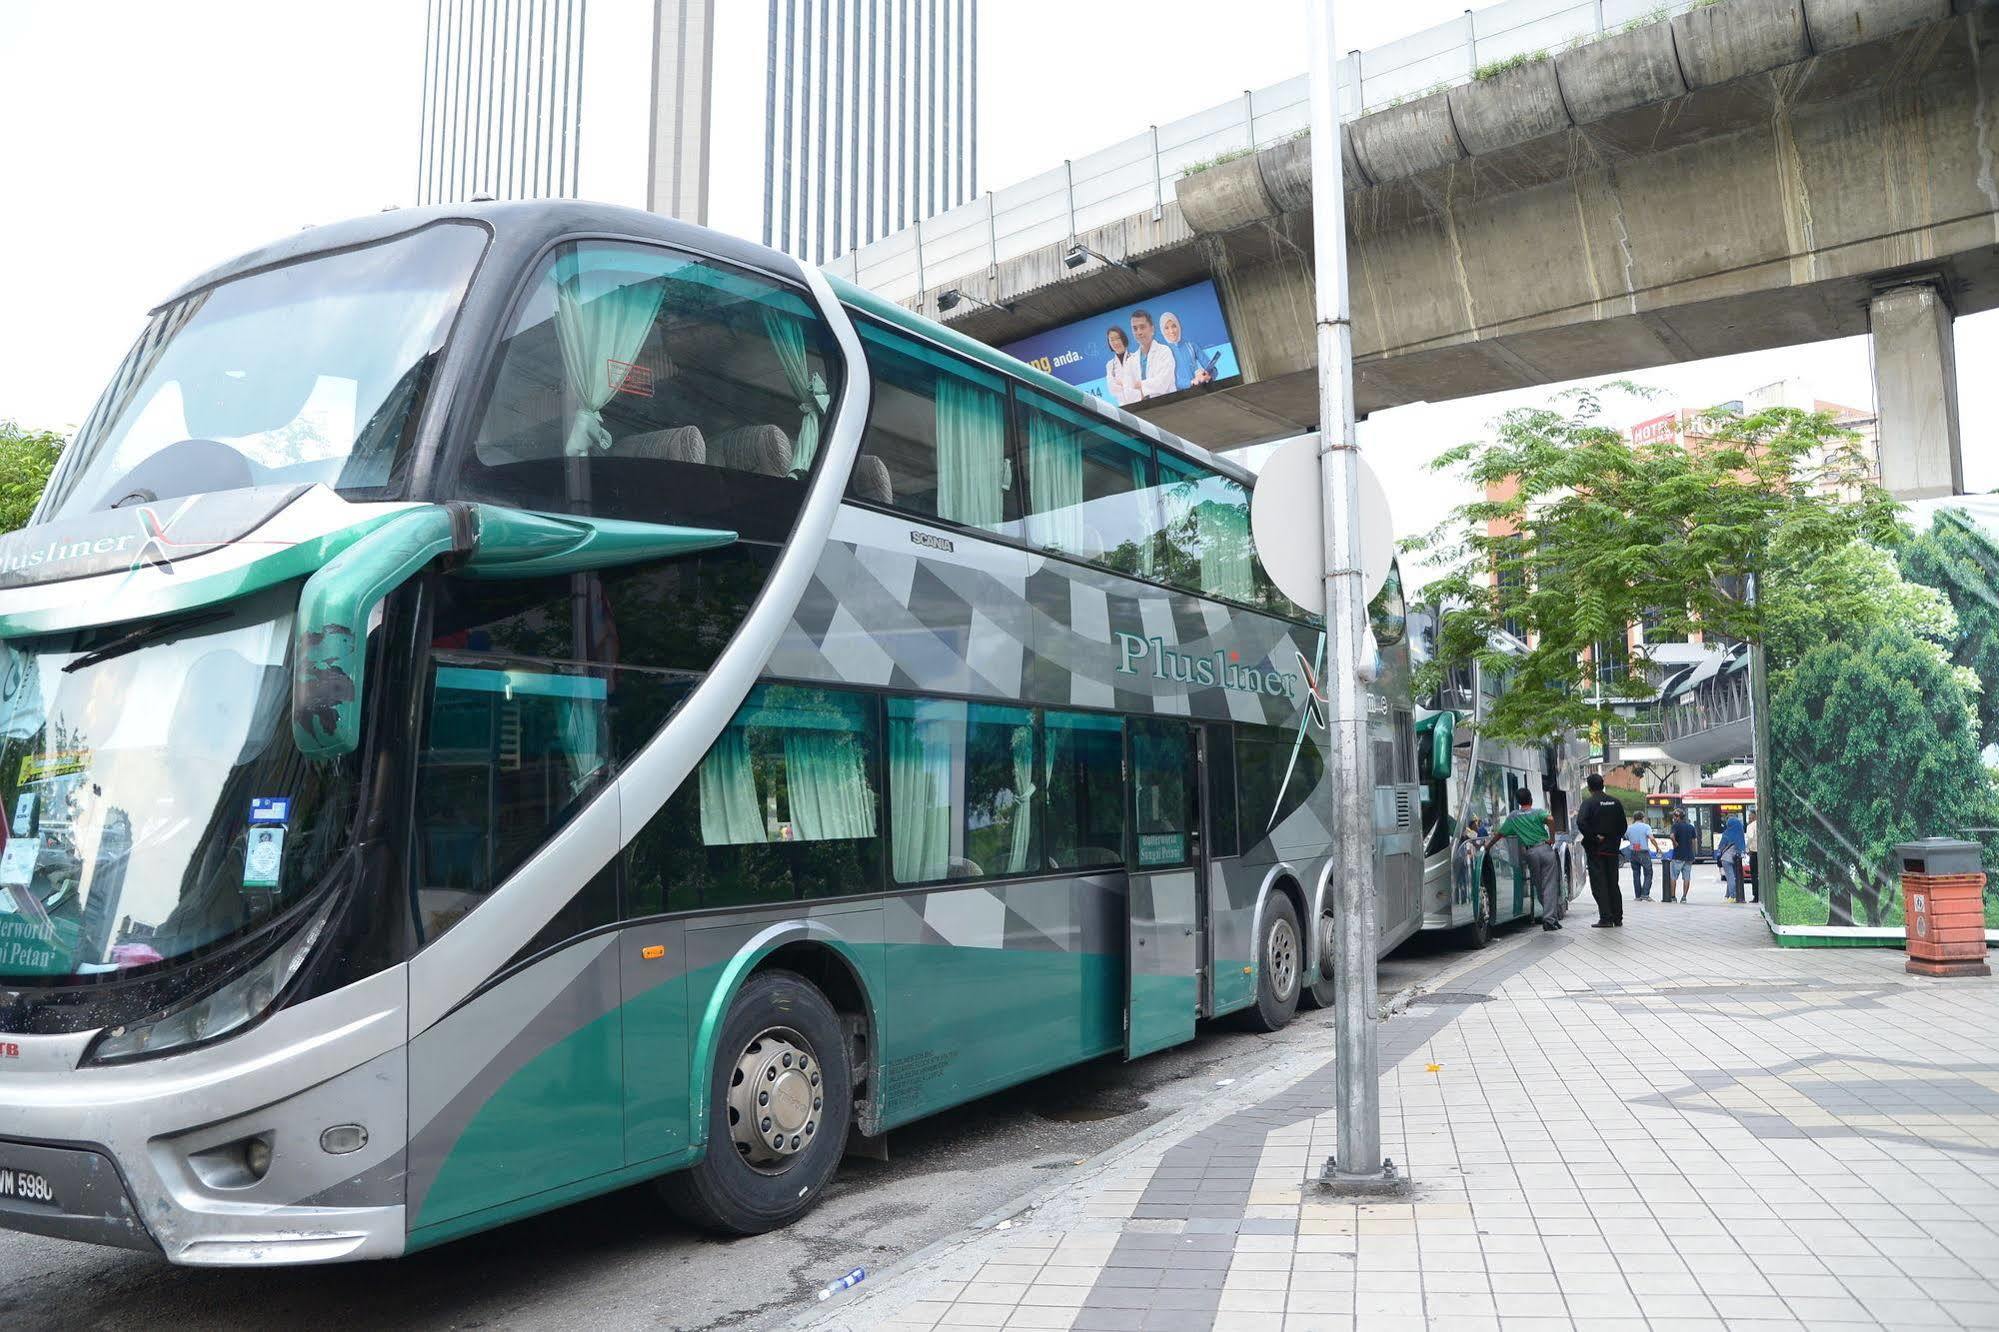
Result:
pixel 139 638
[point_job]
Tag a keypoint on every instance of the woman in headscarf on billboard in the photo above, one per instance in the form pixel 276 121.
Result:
pixel 1191 365
pixel 1121 392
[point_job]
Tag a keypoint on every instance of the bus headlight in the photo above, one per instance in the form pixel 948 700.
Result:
pixel 219 1012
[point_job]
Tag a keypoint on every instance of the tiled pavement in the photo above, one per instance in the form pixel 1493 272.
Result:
pixel 1675 1125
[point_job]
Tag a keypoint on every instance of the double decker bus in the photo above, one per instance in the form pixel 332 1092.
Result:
pixel 1468 775
pixel 505 702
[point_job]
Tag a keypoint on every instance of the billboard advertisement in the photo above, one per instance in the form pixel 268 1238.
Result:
pixel 1165 344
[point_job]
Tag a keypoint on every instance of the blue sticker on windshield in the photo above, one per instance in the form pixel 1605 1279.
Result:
pixel 271 809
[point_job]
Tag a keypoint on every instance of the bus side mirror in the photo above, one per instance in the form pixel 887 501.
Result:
pixel 1436 737
pixel 330 632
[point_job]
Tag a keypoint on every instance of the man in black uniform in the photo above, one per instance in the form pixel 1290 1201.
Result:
pixel 1601 822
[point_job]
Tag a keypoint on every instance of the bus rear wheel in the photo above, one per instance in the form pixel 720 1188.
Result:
pixel 778 1108
pixel 1319 994
pixel 1280 957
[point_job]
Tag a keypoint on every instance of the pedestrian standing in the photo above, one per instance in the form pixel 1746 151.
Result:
pixel 1728 854
pixel 1754 877
pixel 1680 869
pixel 1638 846
pixel 1601 823
pixel 1529 827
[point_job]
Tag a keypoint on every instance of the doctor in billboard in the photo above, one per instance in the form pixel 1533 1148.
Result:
pixel 1149 371
pixel 1191 365
pixel 1121 393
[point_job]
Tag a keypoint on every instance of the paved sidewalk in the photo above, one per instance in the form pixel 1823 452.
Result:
pixel 1673 1125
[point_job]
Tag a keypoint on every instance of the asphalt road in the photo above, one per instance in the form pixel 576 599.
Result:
pixel 621 1261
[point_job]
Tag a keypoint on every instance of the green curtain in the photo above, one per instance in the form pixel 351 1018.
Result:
pixel 1223 530
pixel 971 453
pixel 581 726
pixel 1055 483
pixel 919 784
pixel 600 316
pixel 1023 804
pixel 828 785
pixel 787 339
pixel 729 814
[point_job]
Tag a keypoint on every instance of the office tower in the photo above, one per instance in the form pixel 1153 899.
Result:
pixel 812 125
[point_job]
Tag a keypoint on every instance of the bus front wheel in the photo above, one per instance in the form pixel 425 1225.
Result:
pixel 778 1109
pixel 1483 907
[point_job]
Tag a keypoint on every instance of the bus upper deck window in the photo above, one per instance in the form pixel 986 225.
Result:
pixel 643 383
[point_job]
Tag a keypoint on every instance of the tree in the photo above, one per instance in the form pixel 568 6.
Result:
pixel 1584 533
pixel 1957 557
pixel 26 457
pixel 1874 741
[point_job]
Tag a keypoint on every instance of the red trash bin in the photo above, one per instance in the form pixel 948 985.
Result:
pixel 1943 907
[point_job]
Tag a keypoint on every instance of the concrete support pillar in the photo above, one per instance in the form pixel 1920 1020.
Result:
pixel 1915 391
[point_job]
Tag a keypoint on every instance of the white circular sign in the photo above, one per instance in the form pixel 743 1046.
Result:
pixel 1287 521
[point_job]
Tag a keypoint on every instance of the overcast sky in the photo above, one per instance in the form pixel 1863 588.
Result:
pixel 144 142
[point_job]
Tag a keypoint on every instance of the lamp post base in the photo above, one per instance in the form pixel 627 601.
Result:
pixel 1389 1182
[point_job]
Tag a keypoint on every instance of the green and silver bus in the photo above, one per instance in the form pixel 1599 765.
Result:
pixel 1468 776
pixel 505 702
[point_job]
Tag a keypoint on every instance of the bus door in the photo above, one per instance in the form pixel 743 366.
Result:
pixel 1166 901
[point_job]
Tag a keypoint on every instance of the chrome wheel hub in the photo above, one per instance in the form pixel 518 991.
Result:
pixel 1282 959
pixel 776 1100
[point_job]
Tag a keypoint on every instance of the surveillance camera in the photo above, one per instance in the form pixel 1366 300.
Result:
pixel 1075 256
pixel 947 300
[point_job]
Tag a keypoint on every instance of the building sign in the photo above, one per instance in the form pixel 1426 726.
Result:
pixel 1657 430
pixel 1175 342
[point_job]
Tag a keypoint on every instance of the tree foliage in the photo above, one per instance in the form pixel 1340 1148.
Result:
pixel 1584 533
pixel 1878 743
pixel 26 458
pixel 1958 558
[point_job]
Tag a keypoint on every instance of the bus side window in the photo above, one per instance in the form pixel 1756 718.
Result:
pixel 1224 831
pixel 1083 786
pixel 785 804
pixel 960 785
pixel 1089 491
pixel 514 744
pixel 1275 772
pixel 1203 542
pixel 936 438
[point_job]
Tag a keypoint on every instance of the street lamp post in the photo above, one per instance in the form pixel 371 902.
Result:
pixel 1357 1165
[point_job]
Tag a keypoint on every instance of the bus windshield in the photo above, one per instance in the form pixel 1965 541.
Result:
pixel 306 373
pixel 151 798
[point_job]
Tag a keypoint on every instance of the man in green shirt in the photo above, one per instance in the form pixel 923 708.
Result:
pixel 1529 827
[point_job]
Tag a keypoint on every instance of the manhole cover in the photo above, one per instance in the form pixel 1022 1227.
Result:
pixel 1451 997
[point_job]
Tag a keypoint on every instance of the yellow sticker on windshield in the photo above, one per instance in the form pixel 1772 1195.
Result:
pixel 41 767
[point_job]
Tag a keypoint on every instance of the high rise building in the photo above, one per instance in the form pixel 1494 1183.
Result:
pixel 870 118
pixel 813 125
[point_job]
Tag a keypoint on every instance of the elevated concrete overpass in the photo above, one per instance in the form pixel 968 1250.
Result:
pixel 1742 175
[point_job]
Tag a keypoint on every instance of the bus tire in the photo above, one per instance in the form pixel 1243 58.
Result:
pixel 1479 933
pixel 1280 965
pixel 781 1051
pixel 1319 994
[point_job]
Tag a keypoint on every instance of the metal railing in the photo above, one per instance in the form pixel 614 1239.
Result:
pixel 1137 175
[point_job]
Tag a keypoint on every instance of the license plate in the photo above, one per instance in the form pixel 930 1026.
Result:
pixel 25 1186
